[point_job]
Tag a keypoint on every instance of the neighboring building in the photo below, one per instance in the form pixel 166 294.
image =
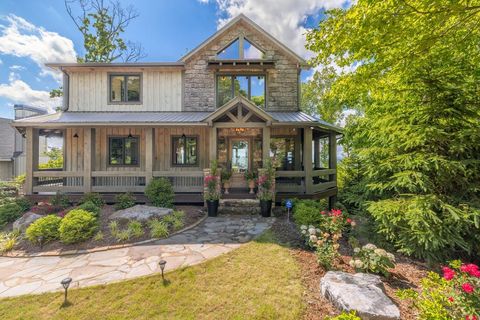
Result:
pixel 234 98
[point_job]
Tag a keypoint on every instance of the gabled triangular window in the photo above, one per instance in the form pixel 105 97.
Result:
pixel 240 49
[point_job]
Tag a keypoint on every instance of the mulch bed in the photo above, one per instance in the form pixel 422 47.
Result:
pixel 192 215
pixel 407 273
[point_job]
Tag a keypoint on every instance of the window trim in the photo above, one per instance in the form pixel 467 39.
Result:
pixel 124 74
pixel 243 74
pixel 109 139
pixel 172 146
pixel 241 45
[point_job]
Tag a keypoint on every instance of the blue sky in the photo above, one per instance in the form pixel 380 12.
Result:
pixel 33 32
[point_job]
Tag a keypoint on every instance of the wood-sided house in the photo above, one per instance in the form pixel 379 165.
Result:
pixel 234 98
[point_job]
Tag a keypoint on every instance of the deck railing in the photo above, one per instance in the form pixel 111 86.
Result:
pixel 184 181
pixel 53 181
pixel 297 182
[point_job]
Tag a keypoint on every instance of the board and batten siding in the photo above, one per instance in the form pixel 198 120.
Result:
pixel 161 91
pixel 162 148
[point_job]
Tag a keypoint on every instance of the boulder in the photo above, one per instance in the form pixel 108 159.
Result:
pixel 140 213
pixel 24 221
pixel 360 292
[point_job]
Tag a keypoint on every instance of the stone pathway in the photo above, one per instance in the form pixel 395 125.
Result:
pixel 213 237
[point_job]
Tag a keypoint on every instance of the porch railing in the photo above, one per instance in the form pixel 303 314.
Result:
pixel 185 181
pixel 53 181
pixel 297 182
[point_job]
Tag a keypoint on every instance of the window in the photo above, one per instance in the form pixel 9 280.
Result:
pixel 125 88
pixel 233 52
pixel 282 152
pixel 184 150
pixel 251 87
pixel 123 151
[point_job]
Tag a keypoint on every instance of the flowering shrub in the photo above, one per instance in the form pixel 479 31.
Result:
pixel 44 208
pixel 324 238
pixel 265 190
pixel 212 186
pixel 369 258
pixel 455 296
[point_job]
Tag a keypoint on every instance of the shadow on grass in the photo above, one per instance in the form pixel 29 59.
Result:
pixel 66 304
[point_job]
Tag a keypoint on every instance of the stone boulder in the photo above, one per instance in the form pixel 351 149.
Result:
pixel 140 213
pixel 24 221
pixel 360 292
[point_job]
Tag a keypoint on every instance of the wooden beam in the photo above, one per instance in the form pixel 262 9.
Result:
pixel 149 134
pixel 307 159
pixel 332 150
pixel 232 117
pixel 31 158
pixel 266 144
pixel 213 143
pixel 316 152
pixel 247 116
pixel 298 150
pixel 87 160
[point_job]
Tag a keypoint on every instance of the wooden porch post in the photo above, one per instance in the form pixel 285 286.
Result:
pixel 265 144
pixel 332 155
pixel 213 143
pixel 148 155
pixel 298 150
pixel 31 158
pixel 87 160
pixel 316 152
pixel 307 158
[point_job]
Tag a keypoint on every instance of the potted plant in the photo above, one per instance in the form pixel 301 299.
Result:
pixel 212 194
pixel 226 175
pixel 250 176
pixel 265 195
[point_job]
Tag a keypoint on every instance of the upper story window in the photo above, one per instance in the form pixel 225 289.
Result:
pixel 240 49
pixel 125 88
pixel 250 86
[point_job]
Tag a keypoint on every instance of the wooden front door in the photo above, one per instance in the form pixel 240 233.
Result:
pixel 239 160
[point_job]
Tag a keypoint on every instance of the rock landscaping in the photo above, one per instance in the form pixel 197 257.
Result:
pixel 140 212
pixel 24 221
pixel 360 292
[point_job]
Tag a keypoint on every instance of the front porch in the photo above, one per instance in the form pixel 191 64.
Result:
pixel 113 157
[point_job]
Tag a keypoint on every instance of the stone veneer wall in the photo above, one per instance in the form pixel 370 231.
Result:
pixel 282 82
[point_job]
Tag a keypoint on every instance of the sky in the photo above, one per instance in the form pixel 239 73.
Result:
pixel 34 32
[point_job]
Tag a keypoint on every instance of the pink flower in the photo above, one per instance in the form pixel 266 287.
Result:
pixel 336 212
pixel 323 212
pixel 349 220
pixel 467 287
pixel 451 299
pixel 472 317
pixel 448 274
pixel 471 269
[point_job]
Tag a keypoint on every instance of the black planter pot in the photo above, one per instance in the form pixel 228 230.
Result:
pixel 266 208
pixel 212 208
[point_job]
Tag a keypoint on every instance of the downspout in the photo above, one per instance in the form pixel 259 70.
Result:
pixel 66 90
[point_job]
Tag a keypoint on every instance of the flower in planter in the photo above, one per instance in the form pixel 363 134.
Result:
pixel 212 186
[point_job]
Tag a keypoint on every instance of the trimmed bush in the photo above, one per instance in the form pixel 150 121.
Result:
pixel 9 212
pixel 308 212
pixel 78 225
pixel 124 201
pixel 160 192
pixel 44 230
pixel 94 197
pixel 90 207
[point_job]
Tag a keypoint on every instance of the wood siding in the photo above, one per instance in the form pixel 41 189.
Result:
pixel 162 148
pixel 161 91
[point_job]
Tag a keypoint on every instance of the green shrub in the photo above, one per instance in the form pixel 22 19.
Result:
pixel 160 193
pixel 90 207
pixel 23 203
pixel 175 220
pixel 158 229
pixel 94 197
pixel 8 241
pixel 124 201
pixel 113 226
pixel 60 200
pixel 98 236
pixel 78 225
pixel 307 212
pixel 135 229
pixel 44 230
pixel 179 214
pixel 9 212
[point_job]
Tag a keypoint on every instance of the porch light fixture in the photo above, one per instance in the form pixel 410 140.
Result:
pixel 239 130
pixel 66 283
pixel 162 264
pixel 75 135
pixel 129 134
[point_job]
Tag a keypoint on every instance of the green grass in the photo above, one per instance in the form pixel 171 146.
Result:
pixel 257 281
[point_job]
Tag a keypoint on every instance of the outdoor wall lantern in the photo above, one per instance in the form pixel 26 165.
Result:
pixel 162 264
pixel 66 283
pixel 75 135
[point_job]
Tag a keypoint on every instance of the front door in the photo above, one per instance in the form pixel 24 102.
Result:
pixel 239 160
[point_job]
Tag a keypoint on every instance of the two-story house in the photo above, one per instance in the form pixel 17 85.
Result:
pixel 234 98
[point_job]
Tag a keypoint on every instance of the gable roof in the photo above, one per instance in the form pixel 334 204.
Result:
pixel 232 103
pixel 244 18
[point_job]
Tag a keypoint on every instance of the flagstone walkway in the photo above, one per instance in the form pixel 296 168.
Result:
pixel 213 237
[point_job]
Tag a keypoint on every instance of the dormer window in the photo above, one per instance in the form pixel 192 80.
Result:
pixel 241 49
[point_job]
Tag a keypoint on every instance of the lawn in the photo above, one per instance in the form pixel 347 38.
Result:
pixel 260 280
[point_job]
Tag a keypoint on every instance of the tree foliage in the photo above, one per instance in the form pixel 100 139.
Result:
pixel 415 70
pixel 55 159
pixel 102 25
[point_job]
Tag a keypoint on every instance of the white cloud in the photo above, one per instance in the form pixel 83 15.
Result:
pixel 1 62
pixel 20 92
pixel 284 19
pixel 17 67
pixel 20 38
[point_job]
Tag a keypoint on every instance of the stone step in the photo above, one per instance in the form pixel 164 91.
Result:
pixel 239 202
pixel 239 206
